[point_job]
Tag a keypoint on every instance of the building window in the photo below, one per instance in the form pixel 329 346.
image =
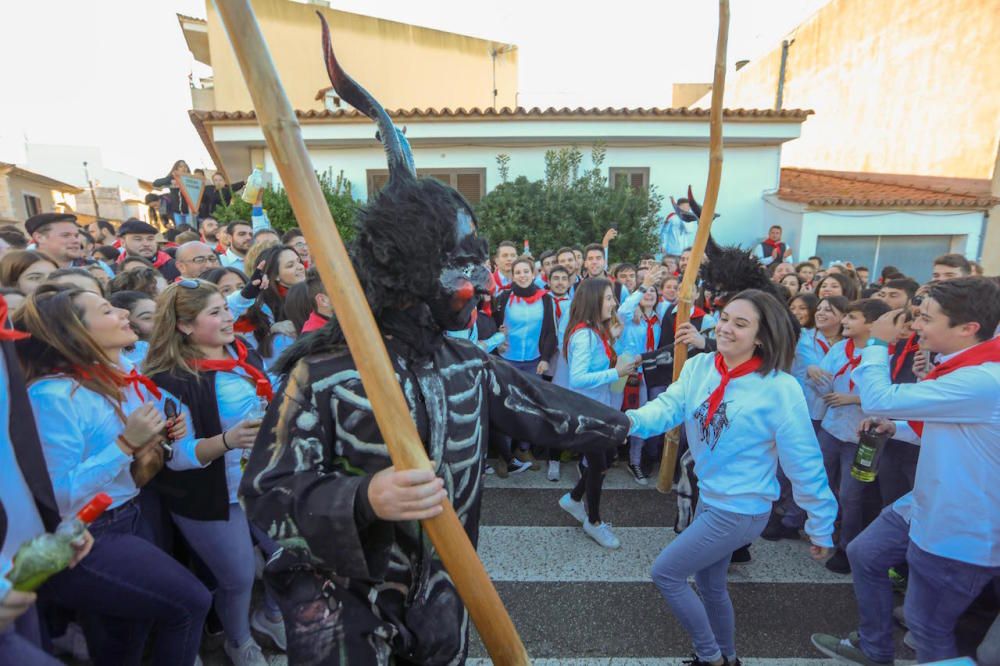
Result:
pixel 471 183
pixel 635 177
pixel 32 205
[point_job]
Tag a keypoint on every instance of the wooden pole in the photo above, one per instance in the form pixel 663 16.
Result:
pixel 284 138
pixel 685 298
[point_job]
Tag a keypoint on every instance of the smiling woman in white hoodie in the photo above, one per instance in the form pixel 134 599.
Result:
pixel 743 413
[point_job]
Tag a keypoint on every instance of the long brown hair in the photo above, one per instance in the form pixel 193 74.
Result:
pixel 169 349
pixel 60 343
pixel 588 302
pixel 15 262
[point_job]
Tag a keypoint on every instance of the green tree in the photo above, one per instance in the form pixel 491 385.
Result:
pixel 570 208
pixel 339 198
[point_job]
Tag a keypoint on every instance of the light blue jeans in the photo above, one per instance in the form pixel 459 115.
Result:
pixel 227 550
pixel 704 550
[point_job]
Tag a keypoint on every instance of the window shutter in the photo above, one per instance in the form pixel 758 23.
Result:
pixel 376 181
pixel 638 181
pixel 470 185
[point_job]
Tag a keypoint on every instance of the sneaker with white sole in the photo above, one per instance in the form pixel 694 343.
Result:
pixel 636 472
pixel 573 508
pixel 844 649
pixel 553 472
pixel 490 470
pixel 602 534
pixel 273 629
pixel 909 641
pixel 248 654
pixel 517 466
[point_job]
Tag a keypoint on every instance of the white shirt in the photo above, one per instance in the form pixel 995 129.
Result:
pixel 954 508
pixel 232 260
pixel 23 521
pixel 79 428
pixel 841 422
pixel 761 421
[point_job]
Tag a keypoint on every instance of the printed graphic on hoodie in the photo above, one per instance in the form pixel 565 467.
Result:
pixel 712 431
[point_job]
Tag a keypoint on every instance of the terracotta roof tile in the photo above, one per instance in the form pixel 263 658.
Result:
pixel 851 189
pixel 520 113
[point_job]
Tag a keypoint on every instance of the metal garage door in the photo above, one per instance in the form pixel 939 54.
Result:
pixel 912 255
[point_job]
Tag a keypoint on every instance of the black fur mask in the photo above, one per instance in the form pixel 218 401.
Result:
pixel 729 270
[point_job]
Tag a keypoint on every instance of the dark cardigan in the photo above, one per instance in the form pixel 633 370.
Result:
pixel 199 494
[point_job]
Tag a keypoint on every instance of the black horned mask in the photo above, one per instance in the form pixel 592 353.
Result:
pixel 728 270
pixel 692 215
pixel 418 240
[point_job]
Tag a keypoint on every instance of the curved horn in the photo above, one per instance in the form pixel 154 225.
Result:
pixel 397 148
pixel 695 206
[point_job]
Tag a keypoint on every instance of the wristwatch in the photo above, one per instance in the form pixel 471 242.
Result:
pixel 876 342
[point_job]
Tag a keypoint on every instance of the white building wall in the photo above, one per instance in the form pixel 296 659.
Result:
pixel 748 172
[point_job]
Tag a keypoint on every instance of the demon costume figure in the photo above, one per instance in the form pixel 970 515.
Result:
pixel 354 588
pixel 680 227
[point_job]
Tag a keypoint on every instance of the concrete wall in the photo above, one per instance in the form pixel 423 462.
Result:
pixel 17 187
pixel 898 86
pixel 748 172
pixel 401 65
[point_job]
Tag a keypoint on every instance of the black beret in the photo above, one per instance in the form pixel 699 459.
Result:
pixel 36 222
pixel 134 226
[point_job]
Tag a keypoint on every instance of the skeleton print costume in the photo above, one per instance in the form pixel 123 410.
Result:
pixel 355 589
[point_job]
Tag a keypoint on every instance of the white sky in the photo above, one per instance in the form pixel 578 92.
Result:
pixel 114 73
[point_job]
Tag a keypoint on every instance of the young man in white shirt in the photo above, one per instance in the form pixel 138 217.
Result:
pixel 948 528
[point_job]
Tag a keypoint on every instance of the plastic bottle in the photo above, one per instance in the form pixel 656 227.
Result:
pixel 257 413
pixel 255 182
pixel 46 555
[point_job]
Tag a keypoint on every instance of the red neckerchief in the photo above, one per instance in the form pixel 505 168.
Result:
pixel 133 379
pixel 608 349
pixel 852 361
pixel 558 301
pixel 650 336
pixel 528 300
pixel 715 398
pixel 823 344
pixel 8 333
pixel 498 281
pixel 256 376
pixel 911 346
pixel 315 321
pixel 160 259
pixel 775 246
pixel 282 289
pixel 244 325
pixel 220 249
pixel 985 352
pixel 697 313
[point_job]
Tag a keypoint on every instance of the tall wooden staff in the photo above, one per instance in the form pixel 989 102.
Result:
pixel 685 299
pixel 284 138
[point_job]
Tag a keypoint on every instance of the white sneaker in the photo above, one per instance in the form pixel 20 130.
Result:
pixel 517 466
pixel 273 629
pixel 602 534
pixel 248 654
pixel 553 473
pixel 490 470
pixel 573 508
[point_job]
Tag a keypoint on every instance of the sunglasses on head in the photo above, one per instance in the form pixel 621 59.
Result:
pixel 190 283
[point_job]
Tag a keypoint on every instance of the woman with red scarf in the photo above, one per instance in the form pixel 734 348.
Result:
pixel 195 354
pixel 743 413
pixel 526 314
pixel 593 368
pixel 260 306
pixel 102 427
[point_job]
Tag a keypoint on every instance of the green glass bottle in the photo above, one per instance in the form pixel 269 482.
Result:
pixel 866 460
pixel 46 555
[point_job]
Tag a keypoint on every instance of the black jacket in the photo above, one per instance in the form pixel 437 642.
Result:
pixel 199 494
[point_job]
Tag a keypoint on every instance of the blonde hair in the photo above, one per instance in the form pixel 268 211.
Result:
pixel 169 350
pixel 253 254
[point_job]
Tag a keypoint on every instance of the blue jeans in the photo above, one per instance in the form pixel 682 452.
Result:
pixel 124 587
pixel 880 546
pixel 897 470
pixel 704 549
pixel 227 550
pixel 19 644
pixel 838 457
pixel 939 590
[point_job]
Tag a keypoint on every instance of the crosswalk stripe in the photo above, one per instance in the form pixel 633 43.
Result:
pixel 677 661
pixel 566 554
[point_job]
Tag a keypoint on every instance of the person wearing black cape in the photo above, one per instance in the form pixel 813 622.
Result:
pixel 358 580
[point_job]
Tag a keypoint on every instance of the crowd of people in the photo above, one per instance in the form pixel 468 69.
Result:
pixel 148 353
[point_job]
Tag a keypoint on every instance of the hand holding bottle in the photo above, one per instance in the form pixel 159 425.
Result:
pixel 141 427
pixel 243 434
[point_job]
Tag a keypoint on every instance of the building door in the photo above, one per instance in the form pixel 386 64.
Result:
pixel 913 255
